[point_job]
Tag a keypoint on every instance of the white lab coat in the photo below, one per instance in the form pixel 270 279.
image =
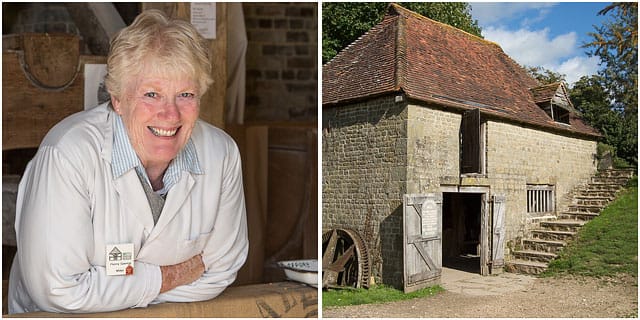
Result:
pixel 69 208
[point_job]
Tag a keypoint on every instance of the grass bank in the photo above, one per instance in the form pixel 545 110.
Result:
pixel 375 294
pixel 606 246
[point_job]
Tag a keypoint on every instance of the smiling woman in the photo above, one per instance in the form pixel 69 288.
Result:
pixel 159 114
pixel 118 207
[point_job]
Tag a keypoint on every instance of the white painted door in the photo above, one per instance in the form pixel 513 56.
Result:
pixel 422 226
pixel 497 232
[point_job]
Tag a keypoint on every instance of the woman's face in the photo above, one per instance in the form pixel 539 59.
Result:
pixel 159 113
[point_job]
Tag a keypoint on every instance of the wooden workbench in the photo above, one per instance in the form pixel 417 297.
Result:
pixel 272 300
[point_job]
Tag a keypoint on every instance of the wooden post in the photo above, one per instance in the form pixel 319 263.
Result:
pixel 212 103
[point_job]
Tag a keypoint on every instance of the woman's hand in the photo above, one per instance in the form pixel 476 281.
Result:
pixel 182 273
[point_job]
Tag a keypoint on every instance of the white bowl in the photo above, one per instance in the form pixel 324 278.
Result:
pixel 305 271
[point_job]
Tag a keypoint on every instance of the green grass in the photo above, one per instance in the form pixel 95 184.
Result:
pixel 375 294
pixel 606 246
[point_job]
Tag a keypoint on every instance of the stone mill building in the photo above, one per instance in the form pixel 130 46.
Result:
pixel 439 149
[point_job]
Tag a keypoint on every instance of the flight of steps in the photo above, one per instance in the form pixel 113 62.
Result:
pixel 544 243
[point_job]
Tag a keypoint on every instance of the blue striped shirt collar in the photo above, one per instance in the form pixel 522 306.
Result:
pixel 124 158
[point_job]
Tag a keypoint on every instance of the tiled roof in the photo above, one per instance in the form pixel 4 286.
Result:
pixel 436 63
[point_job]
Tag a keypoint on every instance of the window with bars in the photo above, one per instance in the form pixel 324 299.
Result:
pixel 540 198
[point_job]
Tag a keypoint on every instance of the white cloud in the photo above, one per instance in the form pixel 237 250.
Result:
pixel 577 67
pixel 511 25
pixel 536 48
pixel 532 48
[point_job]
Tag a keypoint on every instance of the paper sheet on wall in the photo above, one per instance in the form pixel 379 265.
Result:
pixel 203 18
pixel 95 91
pixel 429 219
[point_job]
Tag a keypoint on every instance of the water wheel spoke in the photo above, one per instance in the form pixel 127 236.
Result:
pixel 329 253
pixel 340 262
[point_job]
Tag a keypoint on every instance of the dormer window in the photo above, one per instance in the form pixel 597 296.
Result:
pixel 554 100
pixel 555 112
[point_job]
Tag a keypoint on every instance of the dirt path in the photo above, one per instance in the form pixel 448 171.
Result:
pixel 560 298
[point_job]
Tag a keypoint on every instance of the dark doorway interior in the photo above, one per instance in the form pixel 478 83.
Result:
pixel 461 215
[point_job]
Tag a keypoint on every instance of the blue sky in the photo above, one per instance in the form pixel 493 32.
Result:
pixel 547 34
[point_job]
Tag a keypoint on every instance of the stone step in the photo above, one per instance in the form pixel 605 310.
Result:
pixel 621 181
pixel 597 193
pixel 591 201
pixel 551 246
pixel 562 225
pixel 628 173
pixel 553 235
pixel 532 255
pixel 580 216
pixel 525 267
pixel 602 187
pixel 584 208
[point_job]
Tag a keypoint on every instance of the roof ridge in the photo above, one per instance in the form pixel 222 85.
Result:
pixel 402 11
pixel 400 52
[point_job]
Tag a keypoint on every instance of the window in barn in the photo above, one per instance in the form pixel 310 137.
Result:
pixel 472 143
pixel 540 198
pixel 556 112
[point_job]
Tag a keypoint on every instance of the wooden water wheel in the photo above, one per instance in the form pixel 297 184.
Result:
pixel 345 260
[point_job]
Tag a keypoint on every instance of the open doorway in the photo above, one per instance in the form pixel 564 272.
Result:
pixel 461 231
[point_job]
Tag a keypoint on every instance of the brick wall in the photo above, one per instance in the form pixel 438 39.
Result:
pixel 373 153
pixel 363 177
pixel 282 61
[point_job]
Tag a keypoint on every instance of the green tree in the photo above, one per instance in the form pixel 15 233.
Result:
pixel 344 22
pixel 545 76
pixel 616 44
pixel 591 99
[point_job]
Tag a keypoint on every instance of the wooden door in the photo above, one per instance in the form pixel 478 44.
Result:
pixel 497 233
pixel 470 142
pixel 485 236
pixel 422 226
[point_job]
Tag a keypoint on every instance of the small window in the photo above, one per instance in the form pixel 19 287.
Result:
pixel 560 115
pixel 540 198
pixel 557 113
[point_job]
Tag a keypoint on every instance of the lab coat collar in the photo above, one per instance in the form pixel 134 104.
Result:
pixel 107 129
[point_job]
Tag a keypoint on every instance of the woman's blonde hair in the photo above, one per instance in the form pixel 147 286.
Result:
pixel 172 47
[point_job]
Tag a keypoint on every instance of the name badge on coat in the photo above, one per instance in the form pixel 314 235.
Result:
pixel 119 260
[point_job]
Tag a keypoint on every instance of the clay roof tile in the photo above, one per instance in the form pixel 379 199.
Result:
pixel 434 62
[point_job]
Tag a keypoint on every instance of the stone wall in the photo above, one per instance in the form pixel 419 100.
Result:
pixel 363 178
pixel 433 149
pixel 515 156
pixel 373 153
pixel 282 61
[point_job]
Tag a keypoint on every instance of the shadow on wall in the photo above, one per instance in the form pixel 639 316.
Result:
pixel 391 249
pixel 370 111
